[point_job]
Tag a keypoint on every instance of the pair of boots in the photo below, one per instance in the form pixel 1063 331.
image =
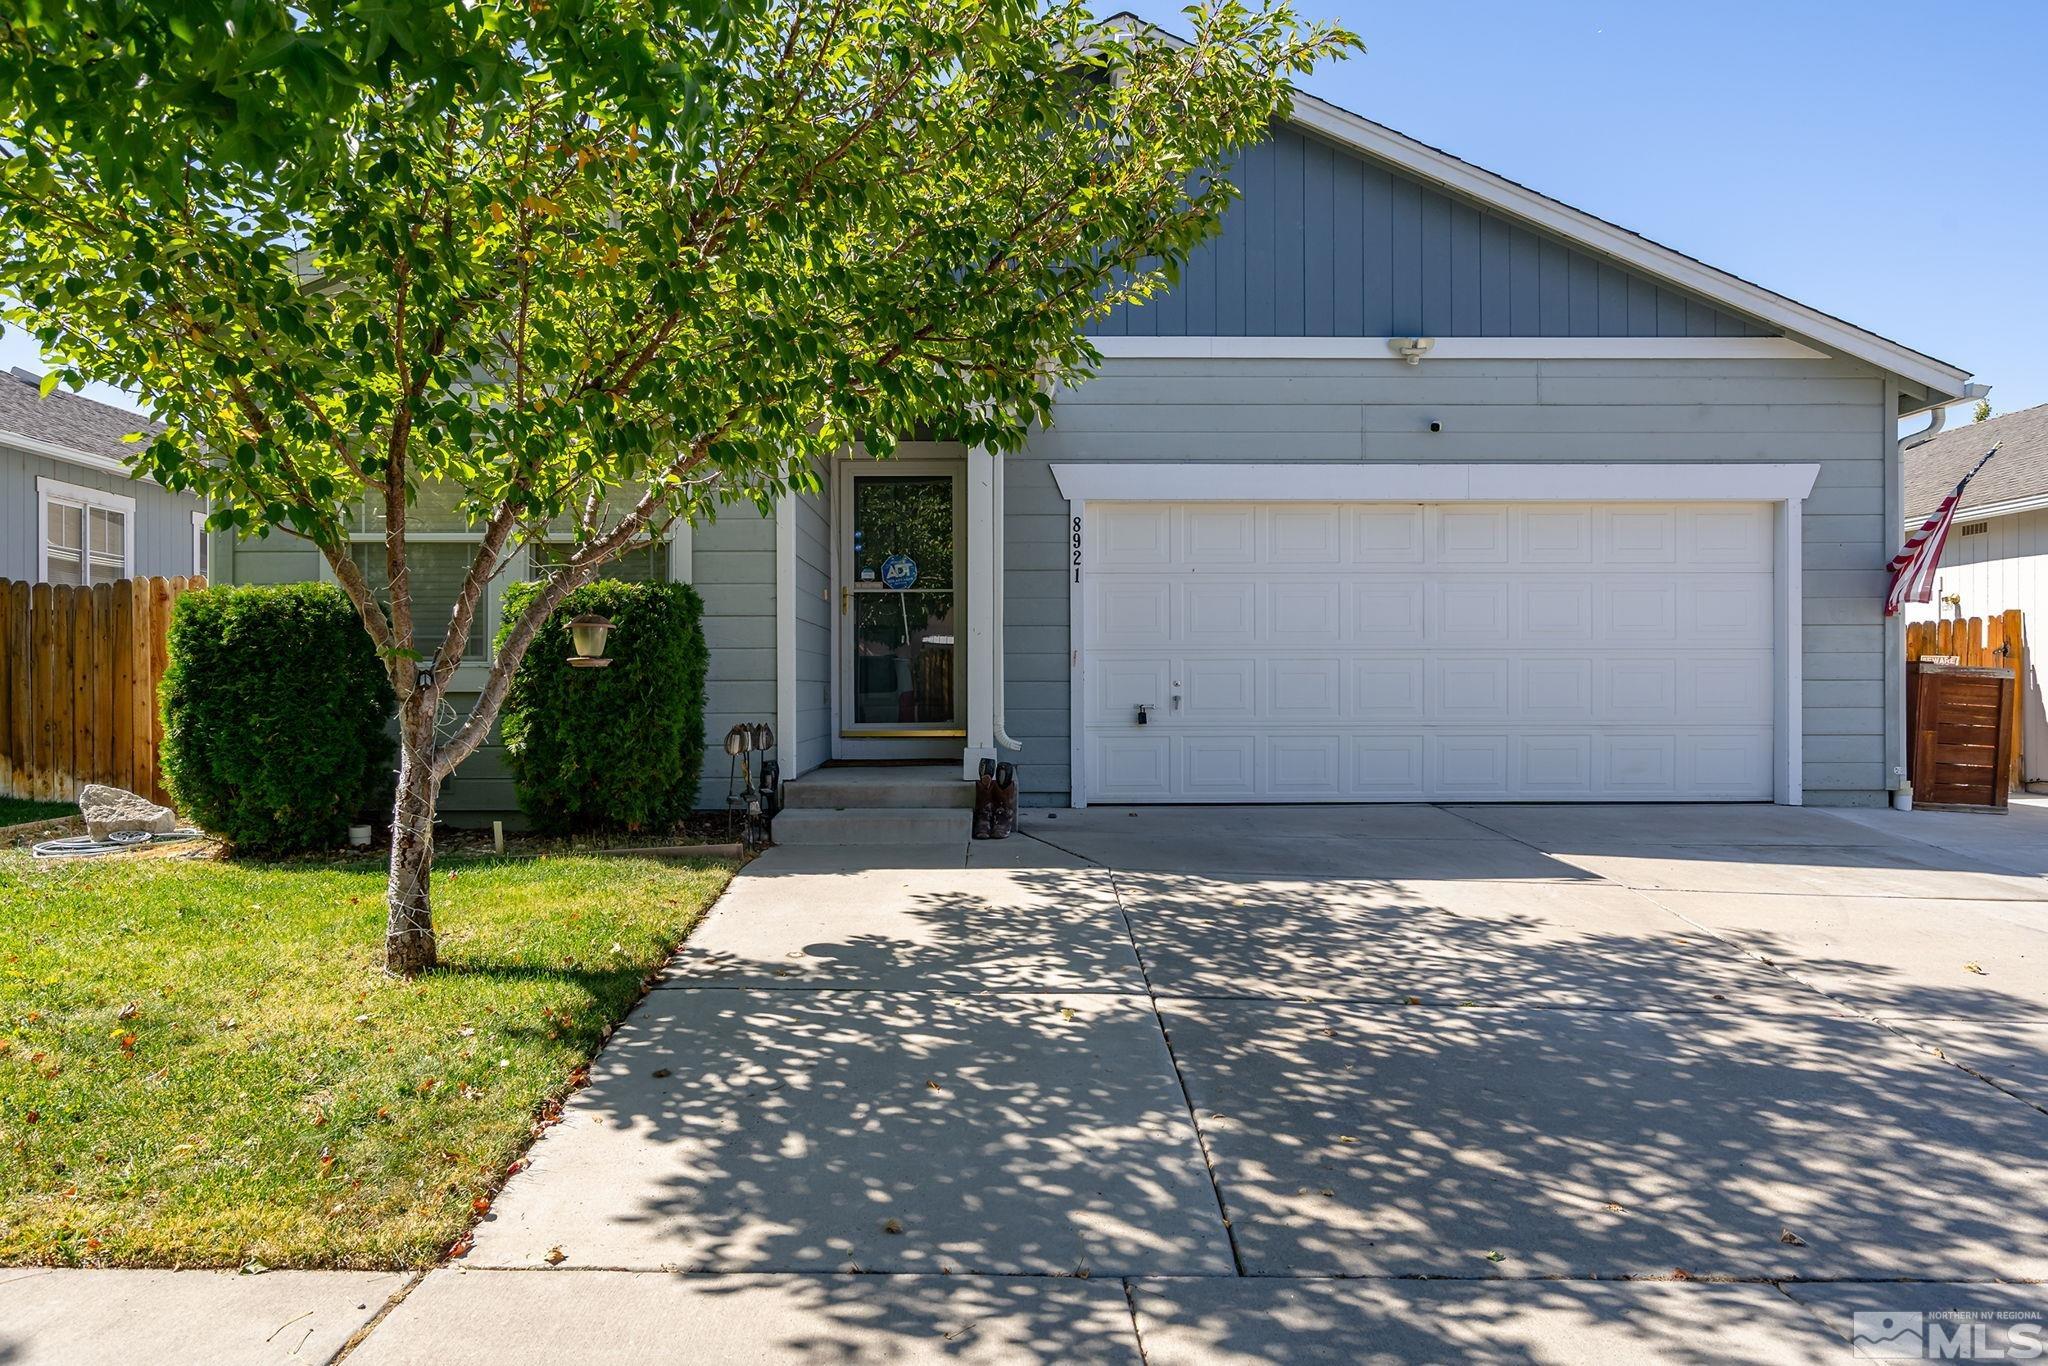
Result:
pixel 995 801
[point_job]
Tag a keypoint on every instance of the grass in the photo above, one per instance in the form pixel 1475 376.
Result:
pixel 21 810
pixel 202 1063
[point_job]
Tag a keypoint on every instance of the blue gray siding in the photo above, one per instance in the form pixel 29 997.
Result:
pixel 735 574
pixel 163 520
pixel 812 743
pixel 1825 411
pixel 1325 243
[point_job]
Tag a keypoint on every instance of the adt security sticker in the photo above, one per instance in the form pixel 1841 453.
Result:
pixel 899 571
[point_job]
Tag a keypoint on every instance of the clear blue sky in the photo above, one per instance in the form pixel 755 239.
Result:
pixel 1884 161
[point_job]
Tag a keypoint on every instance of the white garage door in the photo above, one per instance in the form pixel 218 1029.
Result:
pixel 1292 652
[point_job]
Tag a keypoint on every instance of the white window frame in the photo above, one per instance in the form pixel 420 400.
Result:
pixel 50 491
pixel 201 557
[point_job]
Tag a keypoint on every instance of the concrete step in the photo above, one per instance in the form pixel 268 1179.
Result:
pixel 880 825
pixel 934 787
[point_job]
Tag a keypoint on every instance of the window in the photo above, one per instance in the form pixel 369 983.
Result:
pixel 202 552
pixel 438 569
pixel 640 564
pixel 87 535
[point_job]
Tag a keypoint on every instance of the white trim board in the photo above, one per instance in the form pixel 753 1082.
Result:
pixel 1455 348
pixel 50 450
pixel 1392 483
pixel 1785 486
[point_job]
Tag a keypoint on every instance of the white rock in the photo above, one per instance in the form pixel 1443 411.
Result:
pixel 108 809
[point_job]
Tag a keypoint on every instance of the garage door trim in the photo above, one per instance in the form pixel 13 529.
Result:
pixel 1785 486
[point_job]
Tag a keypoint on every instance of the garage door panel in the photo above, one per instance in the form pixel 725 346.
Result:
pixel 1129 535
pixel 1469 688
pixel 1129 611
pixel 1386 610
pixel 1554 688
pixel 1466 611
pixel 1297 612
pixel 1727 537
pixel 1554 535
pixel 1388 535
pixel 1308 767
pixel 1467 765
pixel 1388 688
pixel 1307 535
pixel 1223 766
pixel 1216 611
pixel 1470 535
pixel 1400 652
pixel 1298 689
pixel 1218 689
pixel 1388 767
pixel 1555 765
pixel 1217 535
pixel 1632 537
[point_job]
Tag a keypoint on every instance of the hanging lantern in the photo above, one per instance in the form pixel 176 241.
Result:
pixel 587 633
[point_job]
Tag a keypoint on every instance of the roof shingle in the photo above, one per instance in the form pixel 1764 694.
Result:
pixel 2020 471
pixel 68 419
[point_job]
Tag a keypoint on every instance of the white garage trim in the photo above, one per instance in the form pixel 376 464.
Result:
pixel 1784 486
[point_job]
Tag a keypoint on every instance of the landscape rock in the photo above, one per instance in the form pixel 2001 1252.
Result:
pixel 111 809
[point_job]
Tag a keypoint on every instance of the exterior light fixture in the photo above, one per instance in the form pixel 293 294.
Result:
pixel 1411 349
pixel 587 634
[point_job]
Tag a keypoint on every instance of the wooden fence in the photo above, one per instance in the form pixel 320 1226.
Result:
pixel 1998 642
pixel 79 669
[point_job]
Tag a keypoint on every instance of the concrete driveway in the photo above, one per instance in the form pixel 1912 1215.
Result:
pixel 1227 1085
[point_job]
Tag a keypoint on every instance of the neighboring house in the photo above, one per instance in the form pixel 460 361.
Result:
pixel 1612 529
pixel 1997 553
pixel 69 512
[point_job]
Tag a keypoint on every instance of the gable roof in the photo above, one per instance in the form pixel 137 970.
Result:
pixel 1939 378
pixel 67 426
pixel 2014 482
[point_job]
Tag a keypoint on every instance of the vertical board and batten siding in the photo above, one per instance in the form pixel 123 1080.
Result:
pixel 1825 411
pixel 163 519
pixel 812 743
pixel 2003 567
pixel 1324 243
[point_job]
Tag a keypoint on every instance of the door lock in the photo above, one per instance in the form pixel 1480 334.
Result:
pixel 1144 713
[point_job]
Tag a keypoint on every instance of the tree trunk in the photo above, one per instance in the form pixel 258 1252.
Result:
pixel 409 946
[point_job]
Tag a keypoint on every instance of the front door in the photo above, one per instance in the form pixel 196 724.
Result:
pixel 902 650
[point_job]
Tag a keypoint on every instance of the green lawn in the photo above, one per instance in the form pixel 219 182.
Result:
pixel 272 1095
pixel 20 810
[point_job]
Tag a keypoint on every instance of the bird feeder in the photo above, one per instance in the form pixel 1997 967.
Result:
pixel 586 635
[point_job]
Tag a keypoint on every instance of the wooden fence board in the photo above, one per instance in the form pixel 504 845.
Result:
pixel 80 674
pixel 1998 642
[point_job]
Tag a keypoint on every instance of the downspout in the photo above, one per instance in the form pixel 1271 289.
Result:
pixel 997 480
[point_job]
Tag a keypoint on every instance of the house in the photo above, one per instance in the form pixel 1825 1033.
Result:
pixel 71 512
pixel 1419 485
pixel 1996 558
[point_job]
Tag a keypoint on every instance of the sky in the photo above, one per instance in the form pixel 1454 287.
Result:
pixel 1884 161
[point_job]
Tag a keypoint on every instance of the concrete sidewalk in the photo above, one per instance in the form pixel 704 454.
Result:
pixel 1529 1084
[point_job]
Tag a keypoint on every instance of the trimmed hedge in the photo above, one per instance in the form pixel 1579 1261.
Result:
pixel 617 748
pixel 276 716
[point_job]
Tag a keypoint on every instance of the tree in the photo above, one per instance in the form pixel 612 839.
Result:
pixel 594 262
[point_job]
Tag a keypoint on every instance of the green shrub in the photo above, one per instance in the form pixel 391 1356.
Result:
pixel 276 716
pixel 620 747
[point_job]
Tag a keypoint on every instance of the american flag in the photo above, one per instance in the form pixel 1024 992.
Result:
pixel 1913 567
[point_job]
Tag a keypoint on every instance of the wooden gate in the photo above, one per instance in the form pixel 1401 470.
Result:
pixel 1998 642
pixel 79 669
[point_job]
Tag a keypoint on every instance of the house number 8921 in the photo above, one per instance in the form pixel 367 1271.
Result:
pixel 1077 550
